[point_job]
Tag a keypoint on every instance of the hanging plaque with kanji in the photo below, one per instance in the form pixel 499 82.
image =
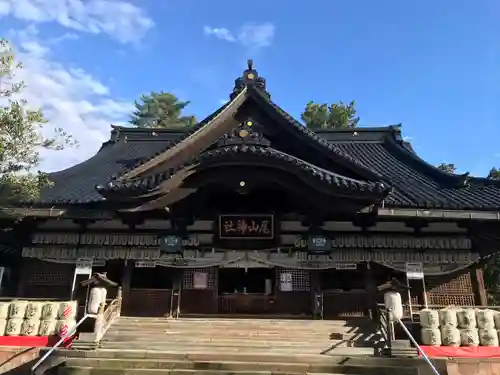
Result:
pixel 246 227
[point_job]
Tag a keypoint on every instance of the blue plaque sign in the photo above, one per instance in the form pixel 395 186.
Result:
pixel 171 244
pixel 319 244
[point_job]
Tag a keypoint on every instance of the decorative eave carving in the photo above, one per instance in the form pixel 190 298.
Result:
pixel 249 132
pixel 250 77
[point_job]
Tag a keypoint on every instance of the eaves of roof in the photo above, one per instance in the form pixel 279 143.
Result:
pixel 340 185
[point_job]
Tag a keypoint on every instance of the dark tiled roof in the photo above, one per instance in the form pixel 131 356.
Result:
pixel 77 184
pixel 337 153
pixel 418 184
pixel 339 184
pixel 414 182
pixel 203 132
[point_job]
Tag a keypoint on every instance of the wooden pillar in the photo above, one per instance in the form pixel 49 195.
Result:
pixel 128 266
pixel 371 292
pixel 22 277
pixel 478 286
pixel 215 292
pixel 315 279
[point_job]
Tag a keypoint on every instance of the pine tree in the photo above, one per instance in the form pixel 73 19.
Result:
pixel 160 110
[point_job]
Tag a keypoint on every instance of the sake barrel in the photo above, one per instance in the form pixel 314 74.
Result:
pixel 488 337
pixel 4 309
pixel 431 336
pixel 429 318
pixel 448 318
pixel 67 310
pixel 33 310
pixel 485 318
pixel 3 325
pixel 392 302
pixel 450 336
pixel 466 318
pixel 469 337
pixel 64 326
pixel 47 327
pixel 17 309
pixel 96 297
pixel 13 327
pixel 30 327
pixel 50 310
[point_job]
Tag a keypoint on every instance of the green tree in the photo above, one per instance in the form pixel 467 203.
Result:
pixel 449 168
pixel 494 174
pixel 492 279
pixel 160 110
pixel 21 138
pixel 330 116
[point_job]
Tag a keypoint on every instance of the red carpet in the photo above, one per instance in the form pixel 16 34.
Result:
pixel 34 341
pixel 462 352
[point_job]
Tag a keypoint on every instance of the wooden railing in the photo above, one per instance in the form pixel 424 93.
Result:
pixel 106 316
pixel 385 328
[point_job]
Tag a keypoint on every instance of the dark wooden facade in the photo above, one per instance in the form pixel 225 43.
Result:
pixel 251 213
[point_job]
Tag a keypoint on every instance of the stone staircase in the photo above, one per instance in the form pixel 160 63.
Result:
pixel 139 362
pixel 242 335
pixel 149 346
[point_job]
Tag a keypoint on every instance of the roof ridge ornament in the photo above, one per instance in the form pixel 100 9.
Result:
pixel 250 77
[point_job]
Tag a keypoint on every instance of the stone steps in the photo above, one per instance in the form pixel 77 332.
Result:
pixel 237 335
pixel 200 355
pixel 243 323
pixel 203 365
pixel 106 371
pixel 257 334
pixel 230 346
pixel 140 362
pixel 327 350
pixel 224 341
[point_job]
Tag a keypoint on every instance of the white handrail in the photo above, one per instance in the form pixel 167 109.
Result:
pixel 61 340
pixel 412 339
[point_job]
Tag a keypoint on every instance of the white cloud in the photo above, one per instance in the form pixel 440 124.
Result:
pixel 119 19
pixel 256 35
pixel 72 99
pixel 220 33
pixel 63 38
pixel 250 35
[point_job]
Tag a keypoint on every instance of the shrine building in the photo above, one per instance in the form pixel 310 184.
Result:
pixel 249 212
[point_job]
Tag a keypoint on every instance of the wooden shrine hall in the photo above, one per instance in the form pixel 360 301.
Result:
pixel 250 212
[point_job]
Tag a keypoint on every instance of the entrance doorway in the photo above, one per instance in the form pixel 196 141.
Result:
pixel 246 290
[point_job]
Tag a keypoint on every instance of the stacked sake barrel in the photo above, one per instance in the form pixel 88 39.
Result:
pixel 459 327
pixel 34 318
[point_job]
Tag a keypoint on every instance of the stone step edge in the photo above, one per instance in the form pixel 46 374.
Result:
pixel 89 370
pixel 333 363
pixel 231 349
pixel 195 355
pixel 295 367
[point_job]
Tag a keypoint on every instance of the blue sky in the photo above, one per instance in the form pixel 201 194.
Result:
pixel 433 66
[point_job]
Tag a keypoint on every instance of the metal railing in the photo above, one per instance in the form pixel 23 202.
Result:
pixel 388 323
pixel 414 342
pixel 70 333
pixel 103 320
